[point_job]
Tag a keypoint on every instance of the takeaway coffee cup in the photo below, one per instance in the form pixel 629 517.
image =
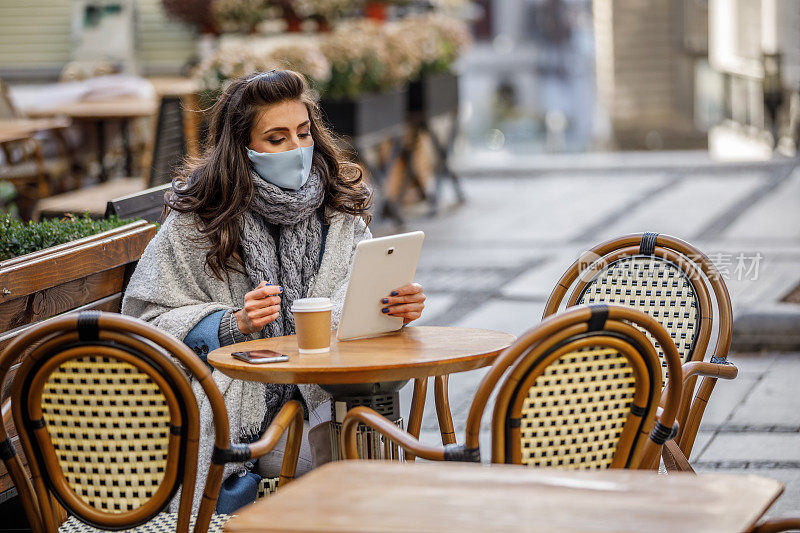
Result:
pixel 312 321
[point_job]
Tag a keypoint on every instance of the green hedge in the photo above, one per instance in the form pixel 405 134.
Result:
pixel 17 238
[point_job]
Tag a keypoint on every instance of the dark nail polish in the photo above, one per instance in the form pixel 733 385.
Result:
pixel 385 310
pixel 385 301
pixel 395 293
pixel 280 289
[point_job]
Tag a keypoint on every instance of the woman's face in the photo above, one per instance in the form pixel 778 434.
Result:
pixel 281 127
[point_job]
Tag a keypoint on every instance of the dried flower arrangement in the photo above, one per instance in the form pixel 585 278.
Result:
pixel 359 56
pixel 243 16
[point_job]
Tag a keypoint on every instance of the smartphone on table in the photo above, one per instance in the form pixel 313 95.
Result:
pixel 260 357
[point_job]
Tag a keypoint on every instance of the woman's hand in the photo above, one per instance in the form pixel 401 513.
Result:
pixel 262 305
pixel 407 302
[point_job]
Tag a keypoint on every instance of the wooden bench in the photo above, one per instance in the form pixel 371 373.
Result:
pixel 89 273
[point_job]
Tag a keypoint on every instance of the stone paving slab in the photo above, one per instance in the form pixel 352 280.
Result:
pixel 444 255
pixel 727 397
pixel 774 281
pixel 700 442
pixel 435 307
pixel 752 448
pixel 686 209
pixel 504 315
pixel 773 399
pixel 537 283
pixel 760 220
pixel 545 209
pixel 758 362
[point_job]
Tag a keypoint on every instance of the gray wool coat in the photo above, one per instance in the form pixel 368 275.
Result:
pixel 172 290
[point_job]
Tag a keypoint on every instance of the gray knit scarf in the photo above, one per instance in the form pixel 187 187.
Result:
pixel 281 239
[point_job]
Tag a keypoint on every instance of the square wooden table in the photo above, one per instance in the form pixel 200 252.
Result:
pixel 122 109
pixel 356 496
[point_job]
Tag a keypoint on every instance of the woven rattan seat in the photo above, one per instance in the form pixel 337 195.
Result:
pixel 163 522
pixel 580 391
pixel 668 279
pixel 110 426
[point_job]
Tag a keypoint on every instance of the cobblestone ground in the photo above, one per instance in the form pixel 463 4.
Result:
pixel 492 262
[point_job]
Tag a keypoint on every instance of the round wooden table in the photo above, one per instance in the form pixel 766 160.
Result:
pixel 372 371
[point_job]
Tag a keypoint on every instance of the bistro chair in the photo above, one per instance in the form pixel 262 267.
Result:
pixel 109 425
pixel 581 390
pixel 668 279
pixel 29 166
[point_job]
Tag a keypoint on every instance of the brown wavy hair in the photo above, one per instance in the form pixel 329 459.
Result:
pixel 218 188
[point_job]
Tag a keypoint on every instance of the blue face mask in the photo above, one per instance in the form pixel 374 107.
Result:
pixel 287 170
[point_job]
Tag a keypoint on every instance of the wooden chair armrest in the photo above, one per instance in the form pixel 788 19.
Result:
pixel 710 370
pixel 368 417
pixel 778 524
pixel 289 418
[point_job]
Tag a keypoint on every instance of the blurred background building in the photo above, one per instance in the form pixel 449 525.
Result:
pixel 544 75
pixel 39 38
pixel 754 48
pixel 576 75
pixel 651 58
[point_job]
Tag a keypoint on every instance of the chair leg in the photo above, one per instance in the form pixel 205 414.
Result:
pixel 58 511
pixel 43 188
pixel 443 409
pixel 211 493
pixel 674 459
pixel 698 407
pixel 417 408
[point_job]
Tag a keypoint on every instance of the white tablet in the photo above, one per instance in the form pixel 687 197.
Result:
pixel 380 266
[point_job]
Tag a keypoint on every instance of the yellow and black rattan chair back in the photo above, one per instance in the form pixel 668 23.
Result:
pixel 579 404
pixel 668 279
pixel 581 392
pixel 108 422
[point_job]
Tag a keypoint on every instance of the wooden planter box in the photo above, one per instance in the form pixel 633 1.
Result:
pixel 368 115
pixel 89 273
pixel 433 95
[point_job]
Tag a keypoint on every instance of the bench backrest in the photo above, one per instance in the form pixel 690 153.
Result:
pixel 147 204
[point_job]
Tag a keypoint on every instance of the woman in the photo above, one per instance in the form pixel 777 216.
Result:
pixel 271 213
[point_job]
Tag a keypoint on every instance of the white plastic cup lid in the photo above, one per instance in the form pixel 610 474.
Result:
pixel 311 304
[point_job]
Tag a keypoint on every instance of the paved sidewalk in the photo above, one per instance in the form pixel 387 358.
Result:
pixel 492 263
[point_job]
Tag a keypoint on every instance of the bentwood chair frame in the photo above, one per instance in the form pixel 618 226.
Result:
pixel 581 390
pixel 110 426
pixel 676 295
pixel 776 525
